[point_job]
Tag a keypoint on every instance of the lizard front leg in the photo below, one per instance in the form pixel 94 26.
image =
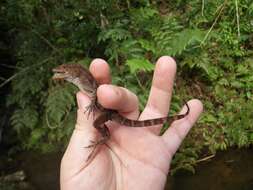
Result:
pixel 93 106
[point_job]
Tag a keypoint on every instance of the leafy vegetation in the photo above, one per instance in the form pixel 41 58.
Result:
pixel 211 40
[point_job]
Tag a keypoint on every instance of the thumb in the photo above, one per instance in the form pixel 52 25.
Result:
pixel 84 132
pixel 83 120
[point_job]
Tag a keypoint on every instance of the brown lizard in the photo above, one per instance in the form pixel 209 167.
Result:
pixel 83 79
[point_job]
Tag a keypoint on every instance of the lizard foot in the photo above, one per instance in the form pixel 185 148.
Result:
pixel 94 145
pixel 90 109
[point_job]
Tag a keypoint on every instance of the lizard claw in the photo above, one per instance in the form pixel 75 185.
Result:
pixel 92 144
pixel 90 109
pixel 96 143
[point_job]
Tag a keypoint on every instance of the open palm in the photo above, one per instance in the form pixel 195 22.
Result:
pixel 133 158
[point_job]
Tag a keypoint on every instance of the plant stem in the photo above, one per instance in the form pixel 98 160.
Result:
pixel 237 18
pixel 215 21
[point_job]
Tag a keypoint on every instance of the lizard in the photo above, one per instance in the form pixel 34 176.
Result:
pixel 83 79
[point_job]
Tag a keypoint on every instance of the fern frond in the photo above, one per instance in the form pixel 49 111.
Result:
pixel 147 45
pixel 163 35
pixel 59 103
pixel 24 119
pixel 136 65
pixel 184 39
pixel 131 49
pixel 115 34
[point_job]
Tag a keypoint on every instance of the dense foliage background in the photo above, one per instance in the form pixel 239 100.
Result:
pixel 212 42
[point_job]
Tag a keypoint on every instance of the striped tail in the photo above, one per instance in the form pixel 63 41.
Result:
pixel 145 123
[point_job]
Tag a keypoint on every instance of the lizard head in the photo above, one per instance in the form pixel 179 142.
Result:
pixel 76 74
pixel 68 72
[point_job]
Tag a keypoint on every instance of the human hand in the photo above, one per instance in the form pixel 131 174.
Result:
pixel 138 158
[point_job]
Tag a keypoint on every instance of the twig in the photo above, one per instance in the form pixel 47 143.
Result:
pixel 237 19
pixel 215 21
pixel 9 66
pixel 42 38
pixel 139 83
pixel 48 123
pixel 47 42
pixel 22 71
pixel 60 124
pixel 202 7
pixel 219 7
pixel 205 159
pixel 2 78
pixel 128 4
pixel 9 79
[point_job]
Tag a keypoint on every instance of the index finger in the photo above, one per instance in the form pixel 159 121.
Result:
pixel 110 96
pixel 100 70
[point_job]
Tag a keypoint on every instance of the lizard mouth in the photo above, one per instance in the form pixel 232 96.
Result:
pixel 58 74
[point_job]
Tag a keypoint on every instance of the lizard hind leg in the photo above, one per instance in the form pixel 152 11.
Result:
pixel 102 141
pixel 94 144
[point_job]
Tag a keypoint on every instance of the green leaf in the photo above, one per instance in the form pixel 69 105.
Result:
pixel 115 34
pixel 147 45
pixel 209 118
pixel 59 103
pixel 136 65
pixel 184 39
pixel 237 84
